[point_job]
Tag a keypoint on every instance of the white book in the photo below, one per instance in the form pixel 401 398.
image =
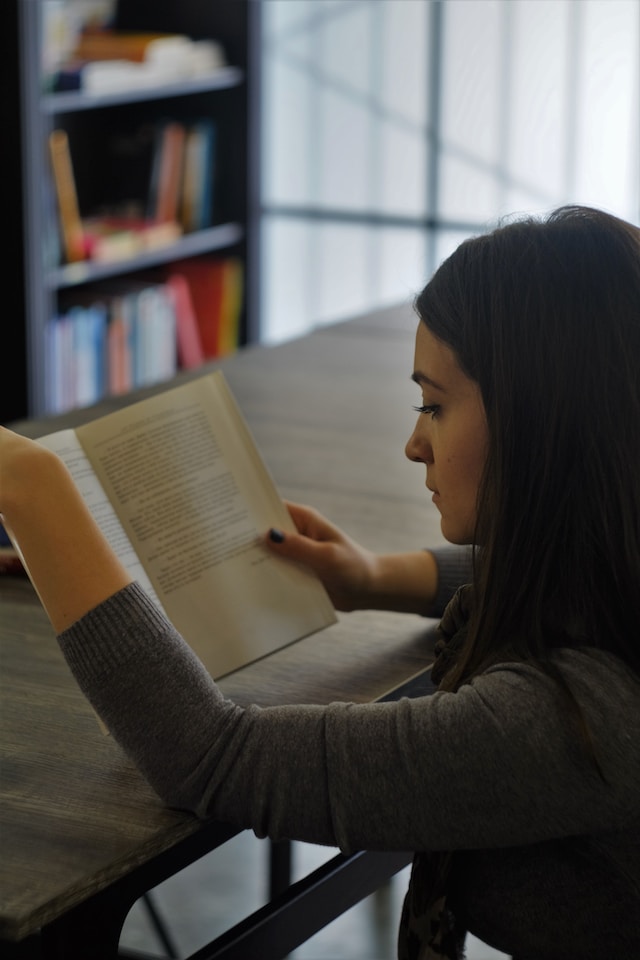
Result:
pixel 181 492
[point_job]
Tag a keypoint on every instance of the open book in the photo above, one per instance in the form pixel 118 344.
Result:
pixel 181 492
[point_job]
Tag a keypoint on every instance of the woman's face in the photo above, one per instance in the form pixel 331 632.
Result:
pixel 451 435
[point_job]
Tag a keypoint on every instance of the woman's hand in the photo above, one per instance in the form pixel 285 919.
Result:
pixel 345 568
pixel 356 578
pixel 69 561
pixel 21 461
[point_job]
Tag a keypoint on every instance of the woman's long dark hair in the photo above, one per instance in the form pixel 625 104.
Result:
pixel 545 315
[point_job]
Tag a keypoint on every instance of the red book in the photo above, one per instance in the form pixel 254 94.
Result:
pixel 206 284
pixel 189 344
pixel 166 178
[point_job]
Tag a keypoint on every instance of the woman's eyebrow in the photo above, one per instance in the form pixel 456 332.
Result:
pixel 422 379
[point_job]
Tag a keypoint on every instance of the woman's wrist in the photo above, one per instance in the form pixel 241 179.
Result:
pixel 68 559
pixel 404 582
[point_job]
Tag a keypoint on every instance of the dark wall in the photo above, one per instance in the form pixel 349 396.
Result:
pixel 13 389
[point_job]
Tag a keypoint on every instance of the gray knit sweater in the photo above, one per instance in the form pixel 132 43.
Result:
pixel 547 862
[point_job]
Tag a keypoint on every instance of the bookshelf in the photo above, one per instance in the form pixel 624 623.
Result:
pixel 111 146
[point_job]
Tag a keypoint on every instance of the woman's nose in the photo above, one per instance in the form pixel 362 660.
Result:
pixel 418 447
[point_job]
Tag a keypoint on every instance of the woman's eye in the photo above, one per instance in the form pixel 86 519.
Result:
pixel 431 408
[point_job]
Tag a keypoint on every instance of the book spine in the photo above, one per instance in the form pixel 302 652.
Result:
pixel 123 336
pixel 68 208
pixel 230 307
pixel 167 335
pixel 190 174
pixel 60 367
pixel 204 277
pixel 169 173
pixel 188 343
pixel 207 179
pixel 89 326
pixel 119 348
pixel 196 206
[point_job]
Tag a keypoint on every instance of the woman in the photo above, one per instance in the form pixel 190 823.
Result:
pixel 518 782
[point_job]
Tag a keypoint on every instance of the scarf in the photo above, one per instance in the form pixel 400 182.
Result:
pixel 427 925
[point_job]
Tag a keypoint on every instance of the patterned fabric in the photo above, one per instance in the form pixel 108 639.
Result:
pixel 452 631
pixel 427 926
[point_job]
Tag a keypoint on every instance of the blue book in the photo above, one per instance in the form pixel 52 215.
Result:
pixel 199 173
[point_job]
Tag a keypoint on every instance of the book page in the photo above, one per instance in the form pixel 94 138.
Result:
pixel 195 499
pixel 66 444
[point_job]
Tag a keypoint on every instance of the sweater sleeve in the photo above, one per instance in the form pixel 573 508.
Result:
pixel 496 763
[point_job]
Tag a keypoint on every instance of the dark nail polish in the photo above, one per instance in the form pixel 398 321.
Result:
pixel 277 536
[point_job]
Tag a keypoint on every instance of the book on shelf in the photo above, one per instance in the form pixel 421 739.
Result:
pixel 183 172
pixel 70 223
pixel 109 238
pixel 108 44
pixel 166 173
pixel 231 306
pixel 120 359
pixel 109 61
pixel 216 285
pixel 141 339
pixel 182 493
pixel 75 344
pixel 117 336
pixel 188 343
pixel 176 167
pixel 155 336
pixel 198 176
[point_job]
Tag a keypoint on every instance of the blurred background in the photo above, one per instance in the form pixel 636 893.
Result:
pixel 353 144
pixel 392 129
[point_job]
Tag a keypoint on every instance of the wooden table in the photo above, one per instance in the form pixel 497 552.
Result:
pixel 82 834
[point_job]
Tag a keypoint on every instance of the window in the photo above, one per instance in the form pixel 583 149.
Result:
pixel 392 129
